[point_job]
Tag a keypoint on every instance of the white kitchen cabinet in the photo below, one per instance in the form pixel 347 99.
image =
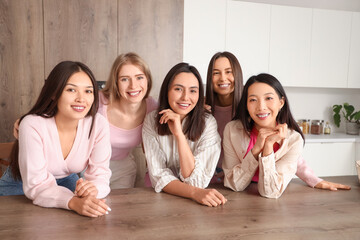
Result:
pixel 204 32
pixel 290 39
pixel 302 47
pixel 330 44
pixel 247 35
pixel 354 60
pixel 331 158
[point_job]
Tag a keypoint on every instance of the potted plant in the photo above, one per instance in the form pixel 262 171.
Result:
pixel 352 117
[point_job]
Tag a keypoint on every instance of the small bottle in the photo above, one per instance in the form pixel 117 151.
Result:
pixel 327 128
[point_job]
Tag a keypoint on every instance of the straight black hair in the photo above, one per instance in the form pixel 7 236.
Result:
pixel 284 115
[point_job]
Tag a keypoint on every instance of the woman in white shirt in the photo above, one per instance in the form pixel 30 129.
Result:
pixel 181 142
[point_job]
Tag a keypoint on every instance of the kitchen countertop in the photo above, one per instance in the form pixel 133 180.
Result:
pixel 334 137
pixel 140 213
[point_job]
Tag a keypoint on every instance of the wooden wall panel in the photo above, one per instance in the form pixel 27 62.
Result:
pixel 35 35
pixel 21 60
pixel 81 30
pixel 154 30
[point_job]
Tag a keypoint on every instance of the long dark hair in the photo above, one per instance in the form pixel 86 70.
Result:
pixel 195 123
pixel 46 104
pixel 284 115
pixel 238 80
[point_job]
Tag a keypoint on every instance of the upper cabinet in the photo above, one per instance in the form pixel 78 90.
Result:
pixel 354 60
pixel 290 40
pixel 330 44
pixel 247 35
pixel 204 32
pixel 302 47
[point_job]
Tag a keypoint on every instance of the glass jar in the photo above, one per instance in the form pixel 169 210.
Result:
pixel 327 128
pixel 317 126
pixel 305 123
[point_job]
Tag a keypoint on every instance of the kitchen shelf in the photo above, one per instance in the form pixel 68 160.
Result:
pixel 331 138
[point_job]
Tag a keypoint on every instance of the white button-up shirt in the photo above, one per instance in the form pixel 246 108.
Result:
pixel 163 158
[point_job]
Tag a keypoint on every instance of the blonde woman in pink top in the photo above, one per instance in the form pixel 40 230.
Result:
pixel 124 102
pixel 59 137
pixel 223 92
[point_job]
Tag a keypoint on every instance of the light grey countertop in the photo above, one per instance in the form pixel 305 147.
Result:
pixel 333 137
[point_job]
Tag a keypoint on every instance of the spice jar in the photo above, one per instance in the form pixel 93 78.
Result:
pixel 317 126
pixel 305 125
pixel 327 128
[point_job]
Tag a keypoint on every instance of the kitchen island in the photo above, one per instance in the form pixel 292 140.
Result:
pixel 140 213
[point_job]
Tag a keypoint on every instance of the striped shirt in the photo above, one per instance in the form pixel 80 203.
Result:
pixel 163 158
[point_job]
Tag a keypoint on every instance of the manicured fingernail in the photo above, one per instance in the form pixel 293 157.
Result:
pixel 109 209
pixel 107 212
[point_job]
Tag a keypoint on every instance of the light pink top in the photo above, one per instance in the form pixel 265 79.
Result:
pixel 304 172
pixel 41 160
pixel 123 140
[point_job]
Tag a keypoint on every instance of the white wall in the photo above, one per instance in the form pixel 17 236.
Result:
pixel 346 5
pixel 316 103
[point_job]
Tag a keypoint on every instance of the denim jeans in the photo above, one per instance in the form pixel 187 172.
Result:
pixel 9 186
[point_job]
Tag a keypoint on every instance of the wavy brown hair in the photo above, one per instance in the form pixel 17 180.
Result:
pixel 46 104
pixel 195 122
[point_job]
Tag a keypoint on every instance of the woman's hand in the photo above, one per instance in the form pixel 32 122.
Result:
pixel 263 134
pixel 280 133
pixel 207 107
pixel 85 188
pixel 331 186
pixel 89 206
pixel 173 121
pixel 208 197
pixel 16 129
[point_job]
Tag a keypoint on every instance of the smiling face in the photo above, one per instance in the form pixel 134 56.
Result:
pixel 183 93
pixel 77 97
pixel 263 104
pixel 132 83
pixel 223 78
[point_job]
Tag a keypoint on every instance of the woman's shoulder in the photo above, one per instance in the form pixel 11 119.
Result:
pixel 103 101
pixel 294 136
pixel 150 117
pixel 35 120
pixel 151 104
pixel 235 125
pixel 149 125
pixel 99 121
pixel 34 123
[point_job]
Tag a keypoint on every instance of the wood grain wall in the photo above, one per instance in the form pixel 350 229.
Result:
pixel 21 59
pixel 35 35
pixel 153 29
pixel 81 30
